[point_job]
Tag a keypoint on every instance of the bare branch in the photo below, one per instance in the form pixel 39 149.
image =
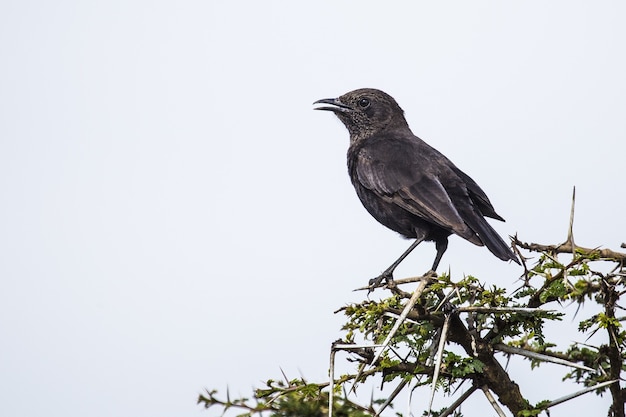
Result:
pixel 567 248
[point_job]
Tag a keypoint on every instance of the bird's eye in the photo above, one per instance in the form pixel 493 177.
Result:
pixel 364 103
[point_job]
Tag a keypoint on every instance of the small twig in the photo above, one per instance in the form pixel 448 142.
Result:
pixel 521 257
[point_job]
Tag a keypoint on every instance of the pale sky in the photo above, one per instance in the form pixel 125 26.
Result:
pixel 174 216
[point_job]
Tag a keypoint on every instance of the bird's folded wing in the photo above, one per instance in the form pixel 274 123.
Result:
pixel 398 178
pixel 477 195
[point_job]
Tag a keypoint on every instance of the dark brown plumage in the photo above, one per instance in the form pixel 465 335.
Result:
pixel 406 184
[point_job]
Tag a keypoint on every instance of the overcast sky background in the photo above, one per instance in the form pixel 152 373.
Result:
pixel 174 216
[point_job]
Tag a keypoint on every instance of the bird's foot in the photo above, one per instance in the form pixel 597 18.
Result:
pixel 431 274
pixel 448 308
pixel 376 282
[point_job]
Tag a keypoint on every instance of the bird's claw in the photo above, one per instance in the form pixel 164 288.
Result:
pixel 375 282
pixel 448 308
pixel 431 274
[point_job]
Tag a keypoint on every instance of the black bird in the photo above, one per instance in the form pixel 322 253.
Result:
pixel 406 184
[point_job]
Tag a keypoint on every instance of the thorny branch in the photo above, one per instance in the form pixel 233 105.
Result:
pixel 595 253
pixel 483 321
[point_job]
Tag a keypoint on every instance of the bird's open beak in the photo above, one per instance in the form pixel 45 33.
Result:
pixel 335 105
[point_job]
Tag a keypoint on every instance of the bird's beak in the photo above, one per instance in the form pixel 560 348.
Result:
pixel 335 105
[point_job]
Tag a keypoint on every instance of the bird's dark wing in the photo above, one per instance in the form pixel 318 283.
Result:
pixel 405 171
pixel 477 195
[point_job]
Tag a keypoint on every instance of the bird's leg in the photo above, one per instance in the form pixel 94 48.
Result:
pixel 387 275
pixel 441 245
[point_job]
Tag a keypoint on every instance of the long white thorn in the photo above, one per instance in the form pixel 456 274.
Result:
pixel 539 356
pixel 579 393
pixel 409 306
pixel 442 344
pixel 331 387
pixel 493 401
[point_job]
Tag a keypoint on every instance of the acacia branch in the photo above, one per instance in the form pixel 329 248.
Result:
pixel 613 352
pixel 606 254
pixel 494 376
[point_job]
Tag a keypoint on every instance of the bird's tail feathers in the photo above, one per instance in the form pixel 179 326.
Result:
pixel 491 238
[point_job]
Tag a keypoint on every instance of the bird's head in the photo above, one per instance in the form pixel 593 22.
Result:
pixel 365 112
